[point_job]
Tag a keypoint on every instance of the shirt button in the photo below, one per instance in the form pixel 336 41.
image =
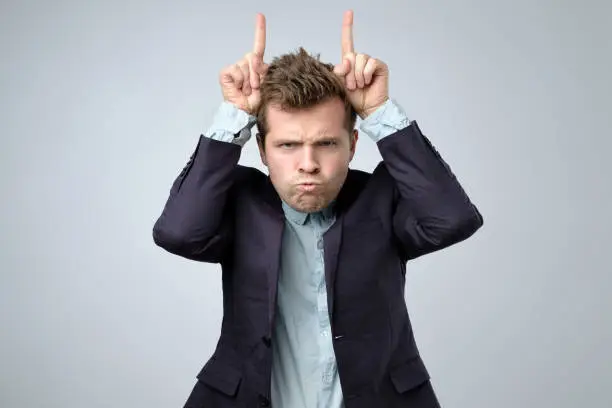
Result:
pixel 320 244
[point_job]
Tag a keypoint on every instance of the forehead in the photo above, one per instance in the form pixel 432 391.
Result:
pixel 324 119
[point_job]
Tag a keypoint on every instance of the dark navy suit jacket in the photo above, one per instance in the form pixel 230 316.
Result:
pixel 410 205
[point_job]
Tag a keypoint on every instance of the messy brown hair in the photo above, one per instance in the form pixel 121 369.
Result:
pixel 300 80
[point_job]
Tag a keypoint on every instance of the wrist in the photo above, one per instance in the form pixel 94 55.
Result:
pixel 368 111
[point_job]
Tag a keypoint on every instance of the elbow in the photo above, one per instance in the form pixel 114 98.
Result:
pixel 166 238
pixel 456 227
pixel 183 243
pixel 173 241
pixel 172 238
pixel 435 233
pixel 466 223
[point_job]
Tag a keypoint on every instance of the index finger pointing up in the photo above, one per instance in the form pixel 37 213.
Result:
pixel 260 35
pixel 347 33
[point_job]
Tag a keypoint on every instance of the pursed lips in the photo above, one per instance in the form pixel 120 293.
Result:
pixel 308 185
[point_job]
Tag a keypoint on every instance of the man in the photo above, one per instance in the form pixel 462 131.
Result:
pixel 314 255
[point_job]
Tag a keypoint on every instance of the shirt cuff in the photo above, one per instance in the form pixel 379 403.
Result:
pixel 389 118
pixel 231 125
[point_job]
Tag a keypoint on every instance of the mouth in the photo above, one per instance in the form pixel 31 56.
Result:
pixel 308 186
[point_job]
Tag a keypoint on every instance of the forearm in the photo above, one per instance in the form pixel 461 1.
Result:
pixel 433 210
pixel 192 220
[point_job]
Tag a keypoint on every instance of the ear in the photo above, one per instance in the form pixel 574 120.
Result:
pixel 354 143
pixel 262 150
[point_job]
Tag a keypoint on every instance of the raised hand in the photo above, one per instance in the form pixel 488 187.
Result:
pixel 240 81
pixel 366 79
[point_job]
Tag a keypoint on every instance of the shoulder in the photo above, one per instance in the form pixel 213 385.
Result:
pixel 251 181
pixel 248 177
pixel 374 187
pixel 247 173
pixel 359 179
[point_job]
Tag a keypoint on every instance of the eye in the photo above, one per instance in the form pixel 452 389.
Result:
pixel 287 145
pixel 328 143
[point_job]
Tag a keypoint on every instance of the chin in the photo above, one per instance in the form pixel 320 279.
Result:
pixel 308 204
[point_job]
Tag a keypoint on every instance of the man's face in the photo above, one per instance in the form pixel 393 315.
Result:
pixel 307 153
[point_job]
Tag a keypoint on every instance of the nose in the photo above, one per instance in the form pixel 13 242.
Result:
pixel 308 161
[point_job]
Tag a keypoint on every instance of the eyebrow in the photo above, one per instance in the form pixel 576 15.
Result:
pixel 297 140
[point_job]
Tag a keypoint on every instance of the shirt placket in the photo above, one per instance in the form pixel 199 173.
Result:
pixel 327 362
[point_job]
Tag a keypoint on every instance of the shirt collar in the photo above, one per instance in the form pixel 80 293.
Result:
pixel 300 217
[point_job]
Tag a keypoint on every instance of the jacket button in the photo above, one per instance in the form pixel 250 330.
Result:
pixel 263 401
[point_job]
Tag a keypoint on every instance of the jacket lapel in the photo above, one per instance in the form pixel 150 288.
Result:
pixel 274 223
pixel 333 237
pixel 332 240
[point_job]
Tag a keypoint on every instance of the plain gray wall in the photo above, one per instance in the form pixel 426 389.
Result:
pixel 103 102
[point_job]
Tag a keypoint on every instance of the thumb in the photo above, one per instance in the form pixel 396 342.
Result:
pixel 343 68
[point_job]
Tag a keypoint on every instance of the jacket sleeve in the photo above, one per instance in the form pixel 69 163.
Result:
pixel 432 210
pixel 196 221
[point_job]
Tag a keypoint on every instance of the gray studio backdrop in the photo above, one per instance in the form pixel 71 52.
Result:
pixel 102 103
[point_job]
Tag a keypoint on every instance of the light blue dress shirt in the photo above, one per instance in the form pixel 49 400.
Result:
pixel 304 370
